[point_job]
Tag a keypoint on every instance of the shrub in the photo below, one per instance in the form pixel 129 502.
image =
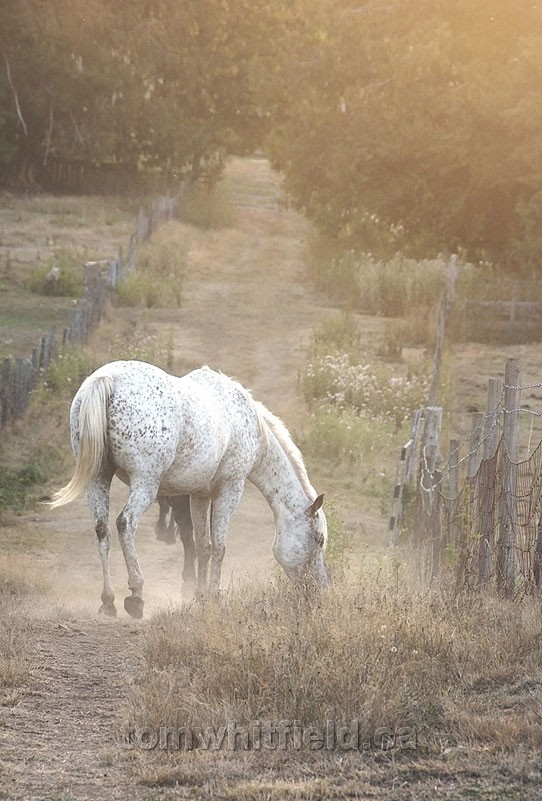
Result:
pixel 68 281
pixel 371 390
pixel 70 368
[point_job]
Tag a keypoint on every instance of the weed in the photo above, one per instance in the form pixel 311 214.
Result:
pixel 369 389
pixel 395 339
pixel 337 332
pixel 144 346
pixel 388 288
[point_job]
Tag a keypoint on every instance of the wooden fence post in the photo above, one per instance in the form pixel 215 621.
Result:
pixel 453 491
pixel 506 556
pixel 445 304
pixel 430 477
pixel 472 501
pixel 403 475
pixel 488 478
pixel 5 405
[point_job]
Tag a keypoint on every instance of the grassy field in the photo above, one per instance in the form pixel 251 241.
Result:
pixel 37 232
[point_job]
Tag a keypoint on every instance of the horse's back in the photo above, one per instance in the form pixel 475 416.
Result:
pixel 189 431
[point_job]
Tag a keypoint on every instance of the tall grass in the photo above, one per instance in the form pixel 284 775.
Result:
pixel 405 659
pixel 345 438
pixel 407 291
pixel 389 288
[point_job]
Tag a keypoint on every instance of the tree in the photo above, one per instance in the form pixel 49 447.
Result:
pixel 147 82
pixel 417 127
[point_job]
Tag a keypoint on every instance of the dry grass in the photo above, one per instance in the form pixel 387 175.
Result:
pixel 20 583
pixel 440 674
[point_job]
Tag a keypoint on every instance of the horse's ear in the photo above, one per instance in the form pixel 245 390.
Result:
pixel 315 506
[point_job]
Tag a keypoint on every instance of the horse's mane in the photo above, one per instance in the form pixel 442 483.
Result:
pixel 277 427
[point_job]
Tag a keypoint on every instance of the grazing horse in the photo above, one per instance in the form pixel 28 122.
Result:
pixel 202 435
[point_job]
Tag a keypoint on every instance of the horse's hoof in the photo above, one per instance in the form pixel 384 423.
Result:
pixel 108 609
pixel 171 539
pixel 188 588
pixel 134 606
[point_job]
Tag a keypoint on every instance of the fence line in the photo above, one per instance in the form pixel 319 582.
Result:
pixel 19 376
pixel 487 525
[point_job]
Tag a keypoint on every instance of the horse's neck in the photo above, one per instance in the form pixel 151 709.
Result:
pixel 277 480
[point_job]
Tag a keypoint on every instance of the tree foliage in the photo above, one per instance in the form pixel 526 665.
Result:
pixel 407 125
pixel 153 82
pixel 415 125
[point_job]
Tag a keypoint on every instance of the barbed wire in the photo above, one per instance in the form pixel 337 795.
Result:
pixel 480 434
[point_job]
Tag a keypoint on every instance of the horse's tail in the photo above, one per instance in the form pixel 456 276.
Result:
pixel 92 425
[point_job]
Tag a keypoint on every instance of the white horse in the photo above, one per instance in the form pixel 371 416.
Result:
pixel 202 435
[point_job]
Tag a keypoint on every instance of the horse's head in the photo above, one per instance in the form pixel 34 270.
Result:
pixel 301 543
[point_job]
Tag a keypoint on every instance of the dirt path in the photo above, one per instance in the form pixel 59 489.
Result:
pixel 247 312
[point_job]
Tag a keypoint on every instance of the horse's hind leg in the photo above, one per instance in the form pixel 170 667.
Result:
pixel 140 498
pixel 199 511
pixel 171 533
pixel 180 505
pixel 98 499
pixel 160 528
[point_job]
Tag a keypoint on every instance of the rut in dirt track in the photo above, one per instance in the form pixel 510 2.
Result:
pixel 64 738
pixel 247 312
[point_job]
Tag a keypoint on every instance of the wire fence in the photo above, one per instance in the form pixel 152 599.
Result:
pixel 19 376
pixel 479 512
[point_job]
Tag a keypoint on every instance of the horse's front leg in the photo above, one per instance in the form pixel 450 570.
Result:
pixel 141 497
pixel 98 499
pixel 225 502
